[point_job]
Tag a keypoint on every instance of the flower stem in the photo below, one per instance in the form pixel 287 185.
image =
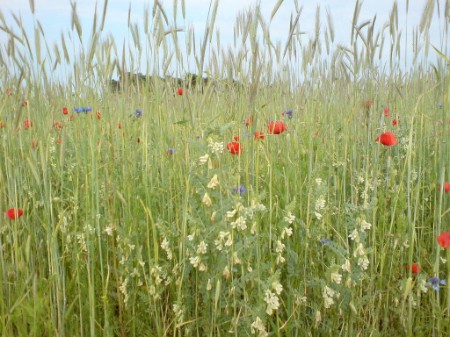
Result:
pixel 448 281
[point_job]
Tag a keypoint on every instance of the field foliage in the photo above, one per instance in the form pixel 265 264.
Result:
pixel 301 191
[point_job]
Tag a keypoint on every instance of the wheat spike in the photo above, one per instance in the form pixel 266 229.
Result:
pixel 105 8
pixel 330 26
pixel 275 9
pixel 32 6
pixel 427 15
pixel 76 21
pixel 355 20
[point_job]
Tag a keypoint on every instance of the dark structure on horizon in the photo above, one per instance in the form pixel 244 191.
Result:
pixel 139 81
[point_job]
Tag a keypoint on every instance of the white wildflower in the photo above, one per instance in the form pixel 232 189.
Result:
pixel 363 262
pixel 202 248
pixel 109 230
pixel 406 243
pixel 423 285
pixel 365 226
pixel 214 182
pixel 320 203
pixel 123 290
pixel 229 241
pixel 336 277
pixel 236 259
pixel 328 302
pixel 258 326
pixel 318 317
pixel 195 261
pixel 215 148
pixel 259 207
pixel 300 299
pixel 178 311
pixel 207 200
pixel 286 231
pixel 346 266
pixel 280 247
pixel 165 244
pixel 231 214
pixel 203 159
pixel 354 235
pixel 272 301
pixel 359 251
pixel 226 272
pixel 289 218
pixel 328 295
pixel 278 287
pixel 239 224
pixel 280 259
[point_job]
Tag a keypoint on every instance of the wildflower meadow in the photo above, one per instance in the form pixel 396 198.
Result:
pixel 297 189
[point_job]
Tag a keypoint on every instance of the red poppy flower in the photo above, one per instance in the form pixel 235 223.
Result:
pixel 236 138
pixel 277 127
pixel 445 188
pixel 386 111
pixel 13 213
pixel 259 135
pixel 65 111
pixel 444 240
pixel 27 124
pixel 234 147
pixel 394 122
pixel 249 120
pixel 387 138
pixel 415 268
pixel 180 91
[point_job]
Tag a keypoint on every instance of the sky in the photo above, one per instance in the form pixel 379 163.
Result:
pixel 55 17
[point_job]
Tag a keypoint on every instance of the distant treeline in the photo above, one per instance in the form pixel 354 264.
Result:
pixel 190 81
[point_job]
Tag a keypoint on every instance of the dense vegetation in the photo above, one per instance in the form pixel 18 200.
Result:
pixel 301 190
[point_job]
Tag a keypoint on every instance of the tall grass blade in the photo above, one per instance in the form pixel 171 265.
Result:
pixel 275 9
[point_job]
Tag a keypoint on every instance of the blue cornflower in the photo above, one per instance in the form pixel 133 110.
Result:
pixel 82 109
pixel 170 150
pixel 435 282
pixel 241 189
pixel 287 113
pixel 137 113
pixel 324 241
pixel 440 106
